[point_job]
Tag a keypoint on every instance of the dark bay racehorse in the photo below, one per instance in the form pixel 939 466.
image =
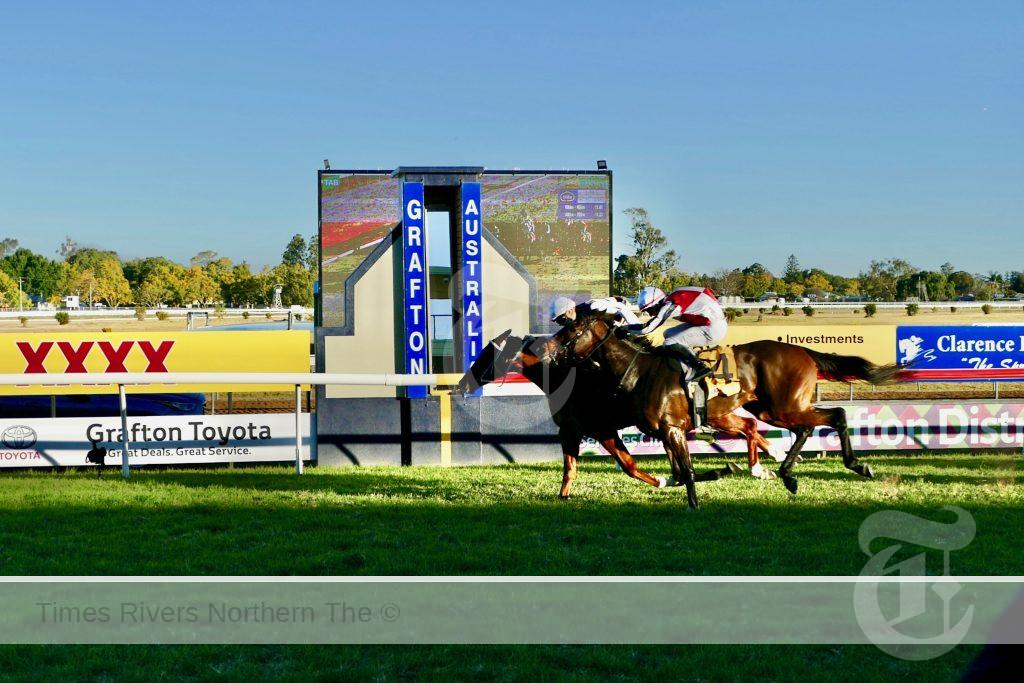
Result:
pixel 582 403
pixel 777 383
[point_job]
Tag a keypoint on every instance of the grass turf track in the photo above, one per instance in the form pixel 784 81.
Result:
pixel 492 520
pixel 487 520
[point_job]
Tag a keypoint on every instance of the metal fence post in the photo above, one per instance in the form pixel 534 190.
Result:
pixel 298 429
pixel 123 400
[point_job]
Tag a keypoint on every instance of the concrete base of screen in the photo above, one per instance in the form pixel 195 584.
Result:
pixel 387 431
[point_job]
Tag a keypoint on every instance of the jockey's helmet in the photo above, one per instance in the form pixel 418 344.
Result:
pixel 562 309
pixel 649 297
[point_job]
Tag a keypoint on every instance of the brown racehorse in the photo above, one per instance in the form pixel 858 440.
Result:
pixel 777 383
pixel 582 403
pixel 777 386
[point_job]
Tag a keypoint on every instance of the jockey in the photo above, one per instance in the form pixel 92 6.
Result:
pixel 564 310
pixel 701 322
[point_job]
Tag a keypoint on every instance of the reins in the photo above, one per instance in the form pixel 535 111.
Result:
pixel 567 348
pixel 622 380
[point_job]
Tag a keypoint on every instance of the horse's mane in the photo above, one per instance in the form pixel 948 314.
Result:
pixel 639 342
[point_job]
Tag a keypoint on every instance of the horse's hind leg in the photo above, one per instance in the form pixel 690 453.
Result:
pixel 837 420
pixel 682 466
pixel 786 470
pixel 618 451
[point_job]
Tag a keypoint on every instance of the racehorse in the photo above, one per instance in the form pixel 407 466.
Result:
pixel 581 401
pixel 777 383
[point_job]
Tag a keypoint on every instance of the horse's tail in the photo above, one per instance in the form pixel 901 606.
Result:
pixel 838 368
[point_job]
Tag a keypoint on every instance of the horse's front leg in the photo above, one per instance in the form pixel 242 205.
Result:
pixel 617 449
pixel 731 423
pixel 570 441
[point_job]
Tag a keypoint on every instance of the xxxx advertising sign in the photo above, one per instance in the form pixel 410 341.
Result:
pixel 80 354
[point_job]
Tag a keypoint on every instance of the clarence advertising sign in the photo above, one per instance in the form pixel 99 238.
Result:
pixel 176 440
pixel 979 352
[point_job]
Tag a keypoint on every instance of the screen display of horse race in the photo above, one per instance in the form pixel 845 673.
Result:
pixel 357 211
pixel 556 225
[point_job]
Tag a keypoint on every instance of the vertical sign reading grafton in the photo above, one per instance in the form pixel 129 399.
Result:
pixel 414 276
pixel 472 285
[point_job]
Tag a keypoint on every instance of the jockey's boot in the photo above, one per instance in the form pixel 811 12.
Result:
pixel 700 368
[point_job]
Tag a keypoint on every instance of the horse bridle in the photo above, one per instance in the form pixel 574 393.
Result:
pixel 568 347
pixel 571 344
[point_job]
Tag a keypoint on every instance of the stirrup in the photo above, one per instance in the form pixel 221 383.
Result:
pixel 701 371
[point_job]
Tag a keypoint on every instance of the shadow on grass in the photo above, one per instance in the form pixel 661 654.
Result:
pixel 988 470
pixel 650 534
pixel 482 663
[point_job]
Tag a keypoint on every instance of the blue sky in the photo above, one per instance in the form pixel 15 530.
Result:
pixel 749 130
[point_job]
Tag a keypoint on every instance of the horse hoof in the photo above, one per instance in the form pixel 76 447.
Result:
pixel 865 471
pixel 733 468
pixel 769 475
pixel 790 483
pixel 563 496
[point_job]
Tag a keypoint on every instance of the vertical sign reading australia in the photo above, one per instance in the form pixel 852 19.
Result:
pixel 472 280
pixel 414 281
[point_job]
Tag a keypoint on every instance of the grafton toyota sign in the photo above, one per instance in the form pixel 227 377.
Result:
pixel 18 437
pixel 176 440
pixel 78 354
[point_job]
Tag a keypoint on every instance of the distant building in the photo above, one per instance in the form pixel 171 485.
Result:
pixel 70 302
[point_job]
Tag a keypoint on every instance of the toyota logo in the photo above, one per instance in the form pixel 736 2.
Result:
pixel 18 437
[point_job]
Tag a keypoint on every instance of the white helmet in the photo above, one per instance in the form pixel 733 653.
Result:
pixel 561 305
pixel 648 297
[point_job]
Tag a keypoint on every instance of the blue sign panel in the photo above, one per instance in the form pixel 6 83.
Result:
pixel 472 280
pixel 583 204
pixel 414 285
pixel 962 347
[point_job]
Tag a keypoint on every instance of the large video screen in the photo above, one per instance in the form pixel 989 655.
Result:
pixel 357 211
pixel 558 227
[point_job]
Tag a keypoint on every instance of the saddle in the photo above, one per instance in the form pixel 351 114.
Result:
pixel 698 393
pixel 714 356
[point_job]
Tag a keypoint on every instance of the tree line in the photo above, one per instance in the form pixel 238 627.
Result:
pixel 99 275
pixel 653 263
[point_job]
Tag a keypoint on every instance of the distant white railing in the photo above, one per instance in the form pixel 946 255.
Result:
pixel 296 379
pixel 124 312
pixel 943 306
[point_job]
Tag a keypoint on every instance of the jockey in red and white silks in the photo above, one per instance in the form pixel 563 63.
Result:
pixel 700 321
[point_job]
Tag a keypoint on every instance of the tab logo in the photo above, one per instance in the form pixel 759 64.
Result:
pixel 75 355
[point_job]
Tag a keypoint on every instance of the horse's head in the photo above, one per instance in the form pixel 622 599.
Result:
pixel 579 339
pixel 493 362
